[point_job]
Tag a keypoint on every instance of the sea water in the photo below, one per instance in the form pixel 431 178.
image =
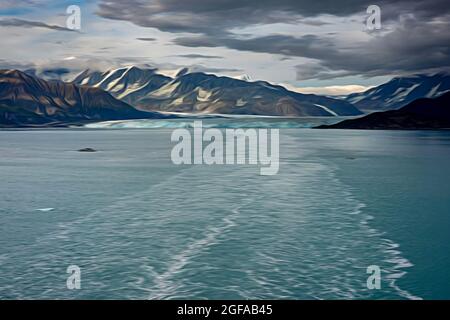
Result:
pixel 140 227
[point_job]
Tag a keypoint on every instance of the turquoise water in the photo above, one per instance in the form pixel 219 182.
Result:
pixel 140 227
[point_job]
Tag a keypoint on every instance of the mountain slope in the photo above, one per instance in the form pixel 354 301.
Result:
pixel 206 93
pixel 127 84
pixel 26 100
pixel 400 91
pixel 423 113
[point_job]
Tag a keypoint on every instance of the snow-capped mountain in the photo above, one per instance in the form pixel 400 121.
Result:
pixel 126 84
pixel 244 77
pixel 206 93
pixel 400 91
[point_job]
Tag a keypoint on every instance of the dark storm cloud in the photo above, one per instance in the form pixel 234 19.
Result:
pixel 30 24
pixel 414 46
pixel 417 38
pixel 309 46
pixel 212 17
pixel 215 17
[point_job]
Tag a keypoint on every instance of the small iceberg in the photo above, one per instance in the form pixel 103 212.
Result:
pixel 45 209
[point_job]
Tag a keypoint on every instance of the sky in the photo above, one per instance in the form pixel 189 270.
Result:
pixel 323 47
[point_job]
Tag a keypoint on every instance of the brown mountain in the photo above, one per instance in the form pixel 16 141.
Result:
pixel 26 100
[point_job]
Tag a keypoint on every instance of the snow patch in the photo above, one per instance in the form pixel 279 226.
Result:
pixel 327 110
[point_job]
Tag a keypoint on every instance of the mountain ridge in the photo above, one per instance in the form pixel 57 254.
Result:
pixel 26 100
pixel 423 113
pixel 400 91
pixel 199 92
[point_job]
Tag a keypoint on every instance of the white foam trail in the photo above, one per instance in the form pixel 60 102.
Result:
pixel 165 287
pixel 394 255
pixel 399 262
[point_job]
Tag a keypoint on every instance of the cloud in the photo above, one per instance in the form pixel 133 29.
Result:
pixel 277 40
pixel 414 46
pixel 206 69
pixel 217 17
pixel 14 22
pixel 330 90
pixel 67 69
pixel 200 68
pixel 4 64
pixel 314 22
pixel 414 38
pixel 52 73
pixel 309 46
pixel 146 39
pixel 198 56
pixel 411 46
pixel 14 4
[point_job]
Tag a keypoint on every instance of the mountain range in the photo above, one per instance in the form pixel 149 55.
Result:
pixel 26 100
pixel 136 93
pixel 199 92
pixel 424 113
pixel 400 91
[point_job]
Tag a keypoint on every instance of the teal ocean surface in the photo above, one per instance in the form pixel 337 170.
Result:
pixel 140 227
